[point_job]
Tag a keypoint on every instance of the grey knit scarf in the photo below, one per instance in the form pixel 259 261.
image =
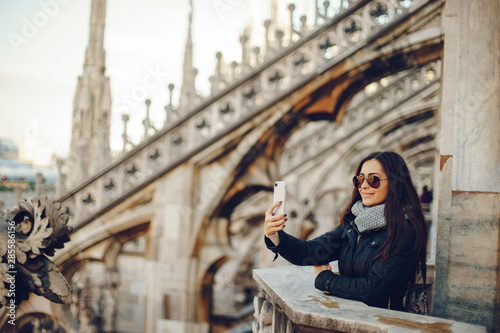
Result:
pixel 368 218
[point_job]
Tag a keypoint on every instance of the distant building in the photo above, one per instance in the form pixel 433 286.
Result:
pixel 30 144
pixel 11 169
pixel 8 149
pixel 19 178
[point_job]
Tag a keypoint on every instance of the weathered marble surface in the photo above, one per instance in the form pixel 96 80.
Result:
pixel 291 288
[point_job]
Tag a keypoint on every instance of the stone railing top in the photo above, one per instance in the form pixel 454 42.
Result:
pixel 292 289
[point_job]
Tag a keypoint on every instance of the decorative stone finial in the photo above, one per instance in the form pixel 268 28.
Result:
pixel 126 141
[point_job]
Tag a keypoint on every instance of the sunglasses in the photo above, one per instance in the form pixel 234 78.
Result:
pixel 373 181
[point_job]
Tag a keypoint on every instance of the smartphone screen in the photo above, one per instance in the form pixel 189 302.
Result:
pixel 279 195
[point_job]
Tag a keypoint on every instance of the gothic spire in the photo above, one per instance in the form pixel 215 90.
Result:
pixel 89 150
pixel 94 55
pixel 188 92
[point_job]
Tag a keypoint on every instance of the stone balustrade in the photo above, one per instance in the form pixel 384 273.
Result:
pixel 290 303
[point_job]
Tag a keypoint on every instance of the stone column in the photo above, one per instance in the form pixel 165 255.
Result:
pixel 172 235
pixel 466 285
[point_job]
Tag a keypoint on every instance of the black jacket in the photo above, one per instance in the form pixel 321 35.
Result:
pixel 361 278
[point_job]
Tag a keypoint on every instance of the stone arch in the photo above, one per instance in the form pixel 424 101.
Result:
pixel 104 253
pixel 233 199
pixel 226 300
pixel 236 255
pixel 88 236
pixel 70 268
pixel 206 288
pixel 78 259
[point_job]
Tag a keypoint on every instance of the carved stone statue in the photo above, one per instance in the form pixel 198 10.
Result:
pixel 29 233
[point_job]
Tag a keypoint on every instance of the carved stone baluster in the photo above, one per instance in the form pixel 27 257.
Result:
pixel 126 141
pixel 319 15
pixel 234 73
pixel 245 62
pixel 292 30
pixel 279 320
pixel 269 48
pixel 326 5
pixel 279 39
pixel 256 51
pixel 303 26
pixel 291 8
pixel 263 314
pixel 219 73
pixel 147 122
pixel 170 112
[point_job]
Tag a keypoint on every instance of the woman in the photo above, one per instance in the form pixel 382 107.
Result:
pixel 380 243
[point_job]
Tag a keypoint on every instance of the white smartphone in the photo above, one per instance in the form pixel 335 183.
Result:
pixel 279 195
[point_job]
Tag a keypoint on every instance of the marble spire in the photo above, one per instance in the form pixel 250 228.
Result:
pixel 89 150
pixel 188 95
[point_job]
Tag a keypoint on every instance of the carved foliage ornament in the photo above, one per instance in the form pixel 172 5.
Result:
pixel 29 233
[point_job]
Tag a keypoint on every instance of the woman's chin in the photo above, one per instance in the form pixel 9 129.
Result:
pixel 369 202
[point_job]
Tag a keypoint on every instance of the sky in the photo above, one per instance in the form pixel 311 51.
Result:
pixel 42 48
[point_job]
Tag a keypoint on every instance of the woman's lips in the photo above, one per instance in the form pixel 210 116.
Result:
pixel 367 195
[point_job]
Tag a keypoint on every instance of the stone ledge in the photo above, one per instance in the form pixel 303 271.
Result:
pixel 291 288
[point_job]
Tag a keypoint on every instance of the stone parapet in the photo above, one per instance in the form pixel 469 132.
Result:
pixel 290 303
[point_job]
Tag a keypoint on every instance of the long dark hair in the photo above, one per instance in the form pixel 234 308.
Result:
pixel 403 209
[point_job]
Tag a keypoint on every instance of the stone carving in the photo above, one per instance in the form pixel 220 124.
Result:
pixel 29 233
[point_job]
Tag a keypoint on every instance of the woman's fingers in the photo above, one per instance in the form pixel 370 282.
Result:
pixel 273 227
pixel 269 213
pixel 275 218
pixel 273 223
pixel 273 206
pixel 276 223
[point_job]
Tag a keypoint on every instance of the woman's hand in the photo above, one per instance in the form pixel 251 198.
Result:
pixel 274 223
pixel 321 268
